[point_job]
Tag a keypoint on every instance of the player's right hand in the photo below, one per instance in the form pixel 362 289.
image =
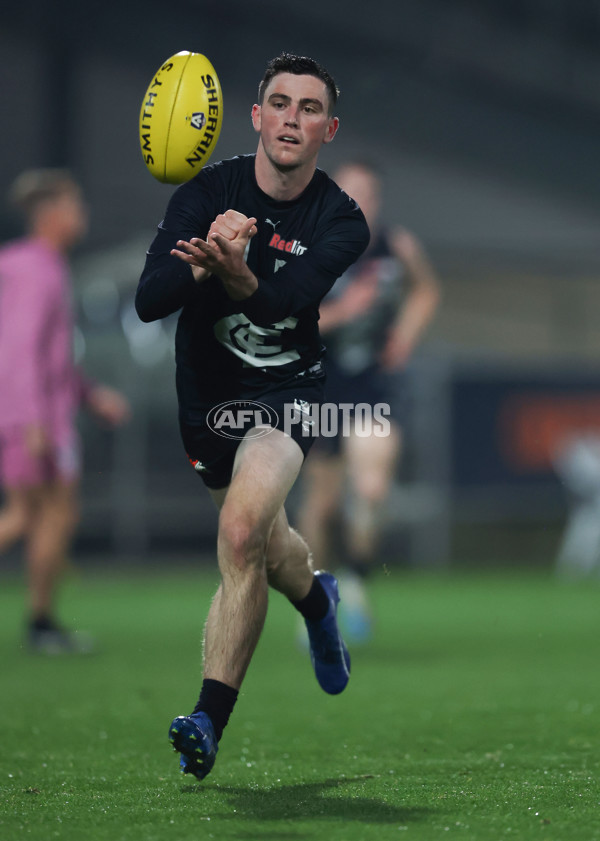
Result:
pixel 230 225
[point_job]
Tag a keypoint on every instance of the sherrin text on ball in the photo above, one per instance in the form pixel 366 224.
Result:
pixel 181 117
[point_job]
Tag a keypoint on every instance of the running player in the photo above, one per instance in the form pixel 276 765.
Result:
pixel 248 248
pixel 371 321
pixel 40 392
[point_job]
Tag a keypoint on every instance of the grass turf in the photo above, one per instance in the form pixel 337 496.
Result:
pixel 472 715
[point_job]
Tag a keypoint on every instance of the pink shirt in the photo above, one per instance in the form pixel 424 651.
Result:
pixel 39 382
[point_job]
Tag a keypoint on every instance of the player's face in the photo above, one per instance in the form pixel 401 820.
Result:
pixel 293 120
pixel 69 215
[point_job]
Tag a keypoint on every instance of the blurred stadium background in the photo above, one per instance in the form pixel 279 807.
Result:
pixel 484 117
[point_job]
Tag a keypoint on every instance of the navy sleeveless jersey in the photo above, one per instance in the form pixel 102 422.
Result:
pixel 227 349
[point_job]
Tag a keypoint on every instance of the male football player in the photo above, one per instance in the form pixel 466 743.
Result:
pixel 247 250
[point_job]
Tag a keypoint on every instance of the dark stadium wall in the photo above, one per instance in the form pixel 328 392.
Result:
pixel 453 82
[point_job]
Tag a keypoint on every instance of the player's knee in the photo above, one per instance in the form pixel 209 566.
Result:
pixel 241 541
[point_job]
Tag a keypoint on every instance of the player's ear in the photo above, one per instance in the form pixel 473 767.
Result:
pixel 256 117
pixel 331 130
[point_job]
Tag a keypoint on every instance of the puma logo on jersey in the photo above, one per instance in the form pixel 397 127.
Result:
pixel 273 224
pixel 291 246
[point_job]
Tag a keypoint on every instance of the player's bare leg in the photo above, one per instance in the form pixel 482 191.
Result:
pixel 289 561
pixel 264 472
pixel 256 548
pixel 315 596
pixel 323 486
pixel 14 516
pixel 47 543
pixel 371 464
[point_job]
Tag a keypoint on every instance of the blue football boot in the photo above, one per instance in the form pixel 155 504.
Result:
pixel 194 737
pixel 328 653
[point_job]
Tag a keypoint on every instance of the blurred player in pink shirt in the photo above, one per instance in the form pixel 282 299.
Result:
pixel 41 391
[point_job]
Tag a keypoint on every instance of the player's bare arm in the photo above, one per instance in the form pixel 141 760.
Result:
pixel 351 304
pixel 421 302
pixel 109 405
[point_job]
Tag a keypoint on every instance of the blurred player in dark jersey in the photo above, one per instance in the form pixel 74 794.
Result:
pixel 371 322
pixel 247 250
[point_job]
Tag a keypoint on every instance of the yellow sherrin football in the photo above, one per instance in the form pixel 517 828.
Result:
pixel 180 118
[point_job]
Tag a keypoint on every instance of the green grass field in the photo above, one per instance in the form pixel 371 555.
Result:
pixel 474 714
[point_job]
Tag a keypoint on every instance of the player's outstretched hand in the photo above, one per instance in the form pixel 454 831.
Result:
pixel 223 253
pixel 233 224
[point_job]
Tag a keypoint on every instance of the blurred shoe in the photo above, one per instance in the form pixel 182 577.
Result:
pixel 328 653
pixel 194 737
pixel 301 637
pixel 355 613
pixel 47 637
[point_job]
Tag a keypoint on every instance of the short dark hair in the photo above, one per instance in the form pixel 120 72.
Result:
pixel 299 65
pixel 36 186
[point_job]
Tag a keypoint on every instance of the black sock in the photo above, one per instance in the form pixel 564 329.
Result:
pixel 42 622
pixel 217 700
pixel 315 605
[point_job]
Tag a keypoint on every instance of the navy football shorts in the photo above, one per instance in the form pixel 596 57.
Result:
pixel 212 442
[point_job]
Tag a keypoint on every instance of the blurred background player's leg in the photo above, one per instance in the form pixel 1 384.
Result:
pixel 341 516
pixel 323 495
pixel 42 509
pixel 370 468
pixel 14 516
pixel 46 546
pixel 370 464
pixel 44 516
